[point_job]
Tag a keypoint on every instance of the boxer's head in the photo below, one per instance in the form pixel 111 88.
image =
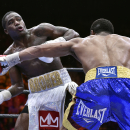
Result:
pixel 102 25
pixel 13 23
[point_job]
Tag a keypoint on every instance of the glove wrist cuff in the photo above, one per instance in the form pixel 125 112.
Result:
pixel 13 59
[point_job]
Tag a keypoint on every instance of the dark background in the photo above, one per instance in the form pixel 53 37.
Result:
pixel 75 14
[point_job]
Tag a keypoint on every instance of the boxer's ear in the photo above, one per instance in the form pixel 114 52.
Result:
pixel 92 32
pixel 6 31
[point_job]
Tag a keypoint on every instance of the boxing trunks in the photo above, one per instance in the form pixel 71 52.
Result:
pixel 105 96
pixel 46 100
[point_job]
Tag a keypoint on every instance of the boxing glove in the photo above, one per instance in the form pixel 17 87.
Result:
pixel 71 87
pixel 5 96
pixel 8 61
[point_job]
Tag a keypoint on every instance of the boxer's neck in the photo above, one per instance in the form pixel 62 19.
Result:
pixel 22 39
pixel 102 33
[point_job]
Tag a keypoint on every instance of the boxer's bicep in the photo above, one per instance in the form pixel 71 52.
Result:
pixel 54 32
pixel 55 50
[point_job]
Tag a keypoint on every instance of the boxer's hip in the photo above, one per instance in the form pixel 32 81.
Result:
pixel 48 81
pixel 104 87
pixel 102 80
pixel 47 98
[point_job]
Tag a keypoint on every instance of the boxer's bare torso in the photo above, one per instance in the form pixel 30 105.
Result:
pixel 100 50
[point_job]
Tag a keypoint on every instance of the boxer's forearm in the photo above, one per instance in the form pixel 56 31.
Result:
pixel 44 50
pixel 12 91
pixel 35 52
pixel 70 34
pixel 30 53
pixel 47 50
pixel 16 89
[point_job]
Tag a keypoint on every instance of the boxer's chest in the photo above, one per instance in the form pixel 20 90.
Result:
pixel 32 41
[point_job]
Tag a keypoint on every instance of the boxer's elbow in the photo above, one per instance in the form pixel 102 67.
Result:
pixel 74 33
pixel 70 34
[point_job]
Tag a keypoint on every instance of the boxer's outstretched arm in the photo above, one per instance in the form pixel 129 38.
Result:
pixel 48 50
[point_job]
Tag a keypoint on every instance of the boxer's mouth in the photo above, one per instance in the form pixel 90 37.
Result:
pixel 20 28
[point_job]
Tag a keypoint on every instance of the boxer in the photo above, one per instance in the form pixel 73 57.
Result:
pixel 23 38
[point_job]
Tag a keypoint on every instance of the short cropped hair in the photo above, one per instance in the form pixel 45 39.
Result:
pixel 102 25
pixel 3 19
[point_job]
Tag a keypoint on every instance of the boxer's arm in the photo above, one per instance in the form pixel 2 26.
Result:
pixel 49 50
pixel 67 34
pixel 53 32
pixel 16 88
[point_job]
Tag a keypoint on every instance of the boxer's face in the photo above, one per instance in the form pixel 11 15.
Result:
pixel 14 24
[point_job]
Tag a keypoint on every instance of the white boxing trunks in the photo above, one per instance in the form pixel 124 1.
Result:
pixel 46 100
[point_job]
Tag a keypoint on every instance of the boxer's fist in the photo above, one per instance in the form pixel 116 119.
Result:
pixel 71 87
pixel 5 96
pixel 3 65
pixel 9 61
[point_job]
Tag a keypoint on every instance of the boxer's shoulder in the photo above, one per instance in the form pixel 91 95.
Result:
pixel 9 50
pixel 42 29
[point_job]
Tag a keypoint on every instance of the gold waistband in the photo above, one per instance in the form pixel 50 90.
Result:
pixel 49 80
pixel 122 72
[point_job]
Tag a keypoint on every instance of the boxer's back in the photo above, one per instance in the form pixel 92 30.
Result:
pixel 97 50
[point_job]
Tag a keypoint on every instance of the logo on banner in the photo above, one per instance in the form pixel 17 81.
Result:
pixel 49 120
pixel 108 71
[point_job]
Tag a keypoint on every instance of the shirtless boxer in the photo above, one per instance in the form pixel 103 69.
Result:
pixel 14 25
pixel 105 94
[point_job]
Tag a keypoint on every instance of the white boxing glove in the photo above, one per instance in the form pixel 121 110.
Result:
pixel 50 59
pixel 8 61
pixel 71 87
pixel 5 96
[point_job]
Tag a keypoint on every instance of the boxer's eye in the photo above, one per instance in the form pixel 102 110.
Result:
pixel 18 19
pixel 10 22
